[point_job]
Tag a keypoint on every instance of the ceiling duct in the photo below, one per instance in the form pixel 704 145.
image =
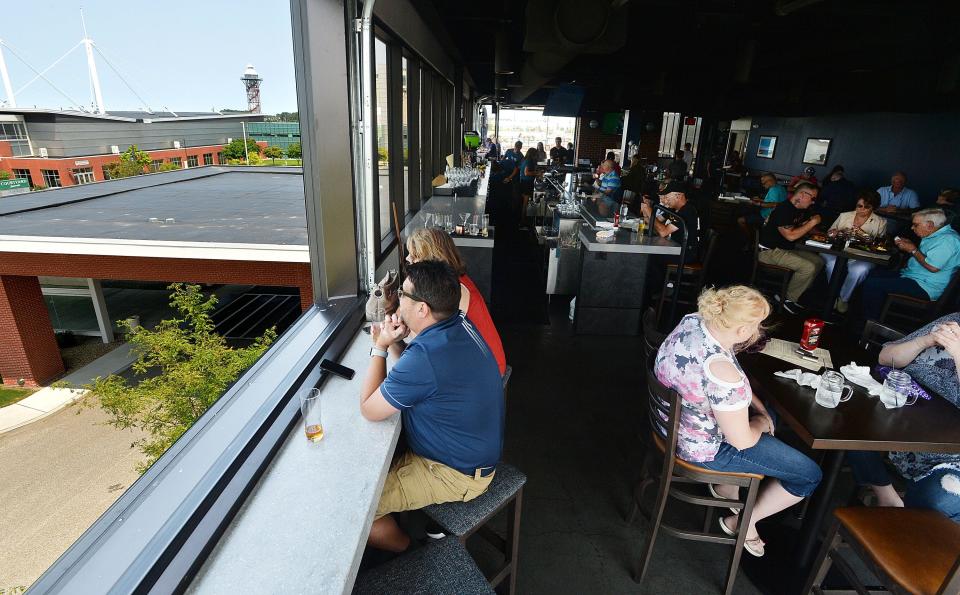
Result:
pixel 558 32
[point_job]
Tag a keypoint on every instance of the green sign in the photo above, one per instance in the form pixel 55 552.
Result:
pixel 14 184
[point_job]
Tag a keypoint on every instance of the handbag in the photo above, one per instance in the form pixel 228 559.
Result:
pixel 383 299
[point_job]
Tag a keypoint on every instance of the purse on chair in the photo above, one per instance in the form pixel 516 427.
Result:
pixel 383 299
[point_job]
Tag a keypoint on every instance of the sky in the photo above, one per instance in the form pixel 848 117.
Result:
pixel 183 55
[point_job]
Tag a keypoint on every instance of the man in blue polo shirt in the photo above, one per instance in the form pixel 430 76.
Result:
pixel 447 387
pixel 931 265
pixel 897 195
pixel 608 187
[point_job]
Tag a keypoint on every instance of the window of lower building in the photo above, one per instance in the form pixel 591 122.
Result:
pixel 176 161
pixel 21 174
pixel 192 161
pixel 51 178
pixel 83 175
pixel 208 158
pixel 220 158
pixel 155 165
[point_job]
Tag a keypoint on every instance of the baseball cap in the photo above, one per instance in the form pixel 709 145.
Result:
pixel 674 186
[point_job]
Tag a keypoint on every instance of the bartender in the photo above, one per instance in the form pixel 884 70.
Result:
pixel 665 225
pixel 608 189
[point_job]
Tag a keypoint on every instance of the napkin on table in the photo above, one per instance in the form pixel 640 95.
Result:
pixel 802 378
pixel 861 375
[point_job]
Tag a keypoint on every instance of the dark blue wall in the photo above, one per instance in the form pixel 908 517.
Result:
pixel 870 147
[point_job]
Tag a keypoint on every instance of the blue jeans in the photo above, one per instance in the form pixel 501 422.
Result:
pixel 797 473
pixel 939 491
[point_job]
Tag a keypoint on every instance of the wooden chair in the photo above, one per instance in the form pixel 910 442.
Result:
pixel 652 337
pixel 690 281
pixel 913 551
pixel 875 335
pixel 664 415
pixel 770 279
pixel 910 313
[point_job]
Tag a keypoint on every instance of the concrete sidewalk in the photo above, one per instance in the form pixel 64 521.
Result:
pixel 48 400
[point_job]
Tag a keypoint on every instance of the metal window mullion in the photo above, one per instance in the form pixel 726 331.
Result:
pixel 413 133
pixel 395 129
pixel 426 133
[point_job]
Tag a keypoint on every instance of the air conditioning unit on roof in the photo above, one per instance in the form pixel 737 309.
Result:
pixel 176 144
pixel 115 149
pixel 43 152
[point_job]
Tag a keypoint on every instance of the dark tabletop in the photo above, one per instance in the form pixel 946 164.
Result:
pixel 862 423
pixel 878 260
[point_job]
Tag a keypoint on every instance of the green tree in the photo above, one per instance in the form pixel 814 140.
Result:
pixel 133 162
pixel 234 150
pixel 182 368
pixel 168 166
pixel 273 153
pixel 5 175
pixel 294 151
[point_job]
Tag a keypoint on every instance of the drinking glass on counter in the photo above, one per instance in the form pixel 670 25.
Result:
pixel 833 390
pixel 896 390
pixel 484 230
pixel 310 410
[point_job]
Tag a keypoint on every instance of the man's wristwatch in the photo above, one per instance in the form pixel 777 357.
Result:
pixel 374 352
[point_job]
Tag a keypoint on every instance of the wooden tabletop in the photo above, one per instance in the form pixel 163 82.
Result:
pixel 862 423
pixel 878 260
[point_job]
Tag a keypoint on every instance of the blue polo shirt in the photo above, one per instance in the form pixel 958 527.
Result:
pixel 906 199
pixel 610 182
pixel 448 389
pixel 776 193
pixel 942 249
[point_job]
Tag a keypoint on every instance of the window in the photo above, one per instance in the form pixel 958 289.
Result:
pixel 51 178
pixel 382 119
pixel 21 174
pixel 155 165
pixel 83 175
pixel 668 134
pixel 208 158
pixel 16 134
pixel 192 161
pixel 220 158
pixel 176 161
pixel 106 172
pixel 405 143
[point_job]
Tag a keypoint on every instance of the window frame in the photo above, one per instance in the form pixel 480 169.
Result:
pixel 50 175
pixel 193 161
pixel 18 174
pixel 208 158
pixel 83 173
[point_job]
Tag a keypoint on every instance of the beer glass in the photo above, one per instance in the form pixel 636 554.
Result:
pixel 310 409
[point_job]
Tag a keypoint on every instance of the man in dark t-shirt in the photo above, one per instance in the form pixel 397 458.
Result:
pixel 557 153
pixel 674 197
pixel 789 222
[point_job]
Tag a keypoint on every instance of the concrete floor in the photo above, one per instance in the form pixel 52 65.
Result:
pixel 59 475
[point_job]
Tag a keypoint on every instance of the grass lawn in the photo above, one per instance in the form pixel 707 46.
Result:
pixel 268 161
pixel 9 396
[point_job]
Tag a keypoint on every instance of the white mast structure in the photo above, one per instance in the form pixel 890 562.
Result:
pixel 5 75
pixel 98 106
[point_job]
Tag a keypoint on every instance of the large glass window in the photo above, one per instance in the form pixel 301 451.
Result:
pixel 83 175
pixel 16 134
pixel 668 134
pixel 382 86
pixel 208 158
pixel 51 178
pixel 192 161
pixel 21 174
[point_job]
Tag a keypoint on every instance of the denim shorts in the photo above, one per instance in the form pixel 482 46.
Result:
pixel 797 473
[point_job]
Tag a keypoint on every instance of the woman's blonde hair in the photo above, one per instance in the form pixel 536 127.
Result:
pixel 435 244
pixel 732 306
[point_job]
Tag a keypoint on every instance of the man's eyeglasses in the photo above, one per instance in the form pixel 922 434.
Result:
pixel 809 195
pixel 412 296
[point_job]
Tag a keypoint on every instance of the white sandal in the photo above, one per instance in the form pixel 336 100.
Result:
pixel 715 494
pixel 753 546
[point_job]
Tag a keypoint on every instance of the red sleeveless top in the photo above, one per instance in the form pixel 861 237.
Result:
pixel 478 314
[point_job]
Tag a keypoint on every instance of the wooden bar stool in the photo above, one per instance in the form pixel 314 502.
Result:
pixel 913 551
pixel 664 414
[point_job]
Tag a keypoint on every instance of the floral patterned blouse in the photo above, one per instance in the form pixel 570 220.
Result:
pixel 935 370
pixel 683 364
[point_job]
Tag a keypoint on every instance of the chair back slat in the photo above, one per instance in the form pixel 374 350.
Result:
pixel 652 337
pixel 667 401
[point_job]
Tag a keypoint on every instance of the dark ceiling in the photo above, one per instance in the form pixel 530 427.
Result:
pixel 715 57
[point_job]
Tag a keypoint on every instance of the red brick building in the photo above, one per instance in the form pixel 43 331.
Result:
pixel 54 148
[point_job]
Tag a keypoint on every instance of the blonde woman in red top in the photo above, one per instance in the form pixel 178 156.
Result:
pixel 434 244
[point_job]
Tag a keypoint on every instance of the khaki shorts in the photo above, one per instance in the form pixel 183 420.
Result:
pixel 414 482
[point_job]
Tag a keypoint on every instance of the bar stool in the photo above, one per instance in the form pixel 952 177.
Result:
pixel 442 566
pixel 664 414
pixel 913 551
pixel 463 519
pixel 690 281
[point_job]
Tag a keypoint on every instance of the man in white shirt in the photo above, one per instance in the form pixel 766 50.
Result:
pixel 897 195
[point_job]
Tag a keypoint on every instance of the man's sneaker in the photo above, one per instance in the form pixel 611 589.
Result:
pixel 434 530
pixel 793 307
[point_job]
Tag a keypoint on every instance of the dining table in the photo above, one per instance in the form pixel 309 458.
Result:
pixel 862 423
pixel 835 283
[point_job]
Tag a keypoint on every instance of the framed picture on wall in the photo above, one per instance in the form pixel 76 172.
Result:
pixel 816 151
pixel 767 147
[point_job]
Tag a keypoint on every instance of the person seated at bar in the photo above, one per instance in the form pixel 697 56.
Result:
pixel 929 355
pixel 808 175
pixel 558 155
pixel 789 222
pixel 897 196
pixel 723 425
pixel 774 194
pixel 863 222
pixel 674 197
pixel 450 393
pixel 929 270
pixel 612 159
pixel 528 173
pixel 838 195
pixel 436 244
pixel 608 187
pixel 633 181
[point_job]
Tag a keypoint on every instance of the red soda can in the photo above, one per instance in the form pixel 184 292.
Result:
pixel 810 338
